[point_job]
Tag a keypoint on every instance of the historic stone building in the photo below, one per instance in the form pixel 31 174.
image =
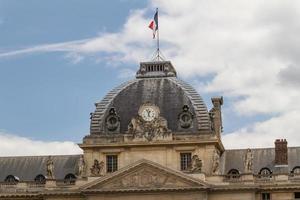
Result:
pixel 154 138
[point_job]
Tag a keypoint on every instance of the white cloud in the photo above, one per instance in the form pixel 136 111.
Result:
pixel 13 145
pixel 250 47
pixel 263 134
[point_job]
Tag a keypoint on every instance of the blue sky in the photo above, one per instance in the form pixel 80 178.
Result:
pixel 57 58
pixel 45 96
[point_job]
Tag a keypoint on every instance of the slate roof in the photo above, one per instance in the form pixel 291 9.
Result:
pixel 167 92
pixel 262 157
pixel 26 168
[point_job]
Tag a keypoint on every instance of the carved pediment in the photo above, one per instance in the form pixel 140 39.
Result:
pixel 146 176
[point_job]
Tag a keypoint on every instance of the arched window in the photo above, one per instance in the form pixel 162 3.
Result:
pixel 40 179
pixel 70 179
pixel 265 173
pixel 296 170
pixel 11 179
pixel 233 174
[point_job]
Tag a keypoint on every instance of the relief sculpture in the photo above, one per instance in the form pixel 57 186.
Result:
pixel 154 130
pixel 216 163
pixel 97 168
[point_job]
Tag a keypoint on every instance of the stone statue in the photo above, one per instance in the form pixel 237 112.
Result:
pixel 248 161
pixel 216 163
pixel 81 166
pixel 97 168
pixel 149 131
pixel 50 168
pixel 196 164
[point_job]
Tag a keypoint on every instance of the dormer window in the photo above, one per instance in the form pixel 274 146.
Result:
pixel 296 171
pixel 70 179
pixel 265 173
pixel 11 179
pixel 40 179
pixel 233 174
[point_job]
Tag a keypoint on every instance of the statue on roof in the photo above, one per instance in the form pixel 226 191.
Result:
pixel 81 166
pixel 50 168
pixel 248 161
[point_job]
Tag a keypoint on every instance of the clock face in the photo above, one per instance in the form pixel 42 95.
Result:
pixel 148 114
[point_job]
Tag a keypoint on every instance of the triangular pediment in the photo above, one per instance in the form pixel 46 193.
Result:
pixel 145 176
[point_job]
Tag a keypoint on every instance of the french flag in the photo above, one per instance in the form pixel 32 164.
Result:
pixel 154 24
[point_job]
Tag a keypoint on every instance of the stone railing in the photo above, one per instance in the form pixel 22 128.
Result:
pixel 24 186
pixel 65 183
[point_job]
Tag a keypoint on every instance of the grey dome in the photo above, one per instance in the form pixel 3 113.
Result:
pixel 161 88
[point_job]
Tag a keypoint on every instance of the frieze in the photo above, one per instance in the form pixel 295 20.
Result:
pixel 146 178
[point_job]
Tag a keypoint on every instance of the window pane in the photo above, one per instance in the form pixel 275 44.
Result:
pixel 111 163
pixel 185 161
pixel 297 195
pixel 265 196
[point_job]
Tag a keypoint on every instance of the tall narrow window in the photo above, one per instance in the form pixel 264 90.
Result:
pixel 185 161
pixel 297 195
pixel 111 163
pixel 265 196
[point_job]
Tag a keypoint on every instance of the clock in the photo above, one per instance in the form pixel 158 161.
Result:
pixel 148 113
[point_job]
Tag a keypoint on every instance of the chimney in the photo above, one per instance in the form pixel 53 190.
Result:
pixel 281 152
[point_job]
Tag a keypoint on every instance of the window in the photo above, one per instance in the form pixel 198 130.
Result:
pixel 185 161
pixel 70 179
pixel 233 174
pixel 265 196
pixel 111 163
pixel 40 179
pixel 265 173
pixel 297 195
pixel 296 170
pixel 11 179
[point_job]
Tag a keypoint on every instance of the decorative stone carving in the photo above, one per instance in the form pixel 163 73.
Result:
pixel 216 115
pixel 81 167
pixel 216 163
pixel 185 118
pixel 153 130
pixel 112 121
pixel 50 168
pixel 248 161
pixel 149 128
pixel 196 164
pixel 146 178
pixel 97 168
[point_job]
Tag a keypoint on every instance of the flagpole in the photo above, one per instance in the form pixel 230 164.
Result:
pixel 158 56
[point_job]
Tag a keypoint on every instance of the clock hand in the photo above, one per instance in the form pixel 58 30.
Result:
pixel 148 111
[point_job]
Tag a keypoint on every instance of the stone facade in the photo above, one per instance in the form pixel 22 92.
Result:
pixel 154 138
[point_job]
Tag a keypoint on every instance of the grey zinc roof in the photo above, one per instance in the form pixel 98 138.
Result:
pixel 264 157
pixel 168 93
pixel 26 168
